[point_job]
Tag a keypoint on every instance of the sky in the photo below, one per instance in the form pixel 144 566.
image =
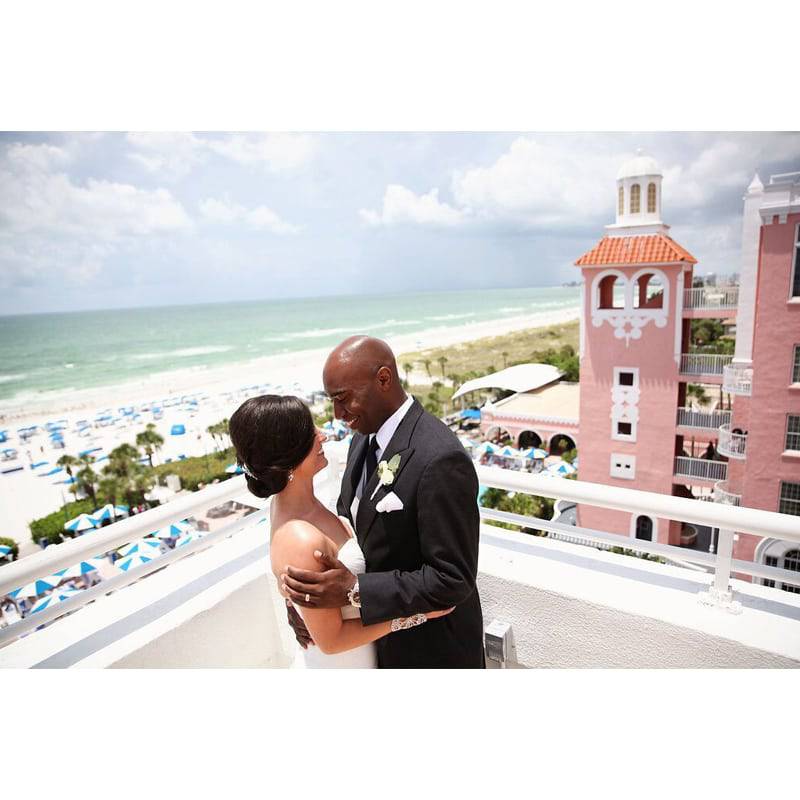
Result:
pixel 114 220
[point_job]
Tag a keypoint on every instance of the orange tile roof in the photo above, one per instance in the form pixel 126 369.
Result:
pixel 653 249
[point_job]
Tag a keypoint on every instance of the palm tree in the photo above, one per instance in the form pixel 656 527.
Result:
pixel 68 462
pixel 111 489
pixel 505 357
pixel 219 429
pixel 427 364
pixel 407 369
pixel 122 461
pixel 150 441
pixel 442 360
pixel 85 480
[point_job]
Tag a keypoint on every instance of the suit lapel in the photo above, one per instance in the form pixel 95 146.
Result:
pixel 398 445
pixel 350 478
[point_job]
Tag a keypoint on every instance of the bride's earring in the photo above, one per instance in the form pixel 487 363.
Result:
pixel 291 476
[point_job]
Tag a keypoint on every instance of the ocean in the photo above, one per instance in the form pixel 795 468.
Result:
pixel 59 353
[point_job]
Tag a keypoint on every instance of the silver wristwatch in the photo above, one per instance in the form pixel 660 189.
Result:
pixel 354 596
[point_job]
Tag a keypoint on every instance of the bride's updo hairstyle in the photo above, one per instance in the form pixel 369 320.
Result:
pixel 272 435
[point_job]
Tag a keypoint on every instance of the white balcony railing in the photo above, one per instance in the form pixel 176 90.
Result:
pixel 704 363
pixel 732 445
pixel 712 298
pixel 737 379
pixel 723 495
pixel 702 468
pixel 726 518
pixel 706 420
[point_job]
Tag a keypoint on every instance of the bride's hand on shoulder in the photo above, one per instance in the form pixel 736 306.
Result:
pixel 437 614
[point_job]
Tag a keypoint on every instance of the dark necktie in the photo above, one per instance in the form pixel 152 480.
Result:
pixel 371 461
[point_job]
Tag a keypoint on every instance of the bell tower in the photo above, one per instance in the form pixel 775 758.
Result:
pixel 632 340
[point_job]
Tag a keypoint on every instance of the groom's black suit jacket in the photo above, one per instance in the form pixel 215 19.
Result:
pixel 423 557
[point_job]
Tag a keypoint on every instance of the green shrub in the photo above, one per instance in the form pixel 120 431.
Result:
pixel 519 503
pixel 199 469
pixel 14 548
pixel 50 529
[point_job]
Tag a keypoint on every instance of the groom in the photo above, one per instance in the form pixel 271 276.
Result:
pixel 415 516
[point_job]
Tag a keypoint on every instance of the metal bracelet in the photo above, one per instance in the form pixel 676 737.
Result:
pixel 403 623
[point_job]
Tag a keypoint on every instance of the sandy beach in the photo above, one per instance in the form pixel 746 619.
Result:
pixel 25 496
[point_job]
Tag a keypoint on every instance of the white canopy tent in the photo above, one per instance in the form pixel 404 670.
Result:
pixel 520 378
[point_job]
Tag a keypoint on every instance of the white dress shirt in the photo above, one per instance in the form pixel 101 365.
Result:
pixel 384 436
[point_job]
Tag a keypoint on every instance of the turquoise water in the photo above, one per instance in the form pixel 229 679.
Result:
pixel 43 353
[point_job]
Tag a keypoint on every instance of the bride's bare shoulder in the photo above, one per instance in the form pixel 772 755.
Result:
pixel 295 541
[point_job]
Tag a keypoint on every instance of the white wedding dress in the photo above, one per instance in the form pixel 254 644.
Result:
pixel 364 657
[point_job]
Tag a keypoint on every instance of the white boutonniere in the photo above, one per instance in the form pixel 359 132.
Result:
pixel 386 472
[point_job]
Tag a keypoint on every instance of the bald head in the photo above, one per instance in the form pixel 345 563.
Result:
pixel 361 378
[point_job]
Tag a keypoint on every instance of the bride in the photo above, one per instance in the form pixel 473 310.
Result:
pixel 280 451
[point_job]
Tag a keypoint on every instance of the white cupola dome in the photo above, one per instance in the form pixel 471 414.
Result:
pixel 638 167
pixel 638 198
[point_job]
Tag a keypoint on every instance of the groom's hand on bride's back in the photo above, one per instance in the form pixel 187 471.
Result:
pixel 326 589
pixel 298 626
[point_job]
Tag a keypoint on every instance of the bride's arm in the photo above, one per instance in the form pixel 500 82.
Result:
pixel 295 544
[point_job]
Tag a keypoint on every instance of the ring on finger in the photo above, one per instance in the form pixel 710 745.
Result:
pixel 308 597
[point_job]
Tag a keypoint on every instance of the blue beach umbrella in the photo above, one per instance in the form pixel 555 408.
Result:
pixel 188 537
pixel 135 559
pixel 55 597
pixel 53 471
pixel 109 511
pixel 148 546
pixel 76 570
pixel 35 588
pixel 4 550
pixel 173 531
pixel 83 522
pixel 177 430
pixel 561 469
pixel 535 453
pixel 234 469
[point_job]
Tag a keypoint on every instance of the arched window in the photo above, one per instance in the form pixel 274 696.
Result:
pixel 644 528
pixel 608 294
pixel 621 201
pixel 651 199
pixel 791 560
pixel 636 192
pixel 648 293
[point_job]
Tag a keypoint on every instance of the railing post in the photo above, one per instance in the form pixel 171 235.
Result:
pixel 719 594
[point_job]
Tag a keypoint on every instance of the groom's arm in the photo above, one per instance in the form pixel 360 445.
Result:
pixel 448 520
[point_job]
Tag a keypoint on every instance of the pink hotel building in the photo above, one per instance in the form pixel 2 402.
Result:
pixel 636 427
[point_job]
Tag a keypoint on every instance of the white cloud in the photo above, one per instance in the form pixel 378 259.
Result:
pixel 539 184
pixel 226 212
pixel 561 182
pixel 401 205
pixel 275 151
pixel 174 155
pixel 51 223
pixel 171 155
pixel 50 203
pixel 36 156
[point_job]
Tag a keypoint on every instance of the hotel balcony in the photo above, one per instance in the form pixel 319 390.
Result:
pixel 732 445
pixel 702 420
pixel 700 470
pixel 214 603
pixel 737 379
pixel 703 367
pixel 722 494
pixel 710 301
